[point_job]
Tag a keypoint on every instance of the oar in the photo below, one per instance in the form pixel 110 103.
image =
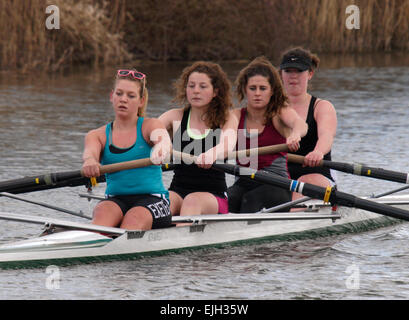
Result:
pixel 327 194
pixel 358 169
pixel 59 180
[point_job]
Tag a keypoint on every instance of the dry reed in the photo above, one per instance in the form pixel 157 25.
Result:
pixel 99 32
pixel 83 36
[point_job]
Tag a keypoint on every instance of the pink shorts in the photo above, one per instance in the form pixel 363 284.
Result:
pixel 223 205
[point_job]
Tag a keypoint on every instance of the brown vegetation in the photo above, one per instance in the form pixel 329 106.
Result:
pixel 98 32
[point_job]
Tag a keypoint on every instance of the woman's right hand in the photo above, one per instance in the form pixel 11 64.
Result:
pixel 91 168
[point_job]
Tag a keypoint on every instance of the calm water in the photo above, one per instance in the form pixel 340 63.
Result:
pixel 43 121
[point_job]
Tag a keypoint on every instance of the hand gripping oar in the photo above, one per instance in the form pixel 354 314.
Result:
pixel 329 194
pixel 358 169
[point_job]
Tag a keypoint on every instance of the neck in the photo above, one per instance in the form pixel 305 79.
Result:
pixel 300 99
pixel 125 123
pixel 197 114
pixel 255 114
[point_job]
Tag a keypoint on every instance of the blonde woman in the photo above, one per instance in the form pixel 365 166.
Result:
pixel 136 198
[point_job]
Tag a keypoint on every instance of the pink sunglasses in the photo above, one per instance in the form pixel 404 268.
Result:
pixel 136 74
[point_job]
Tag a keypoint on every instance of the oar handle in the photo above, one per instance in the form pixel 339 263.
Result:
pixel 258 151
pixel 238 154
pixel 110 168
pixel 139 163
pixel 295 158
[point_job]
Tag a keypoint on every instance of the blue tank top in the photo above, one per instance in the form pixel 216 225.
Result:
pixel 147 180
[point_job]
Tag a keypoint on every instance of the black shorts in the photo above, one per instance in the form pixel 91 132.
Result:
pixel 158 207
pixel 183 192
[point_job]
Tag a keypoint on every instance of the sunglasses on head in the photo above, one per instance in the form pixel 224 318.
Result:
pixel 136 74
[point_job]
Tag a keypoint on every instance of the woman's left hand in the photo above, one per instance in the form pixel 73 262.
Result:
pixel 206 159
pixel 160 153
pixel 293 142
pixel 313 159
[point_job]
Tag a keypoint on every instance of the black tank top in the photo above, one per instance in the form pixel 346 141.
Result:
pixel 307 145
pixel 191 177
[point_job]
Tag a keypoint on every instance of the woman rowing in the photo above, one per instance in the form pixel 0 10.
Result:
pixel 266 120
pixel 136 198
pixel 204 127
pixel 297 69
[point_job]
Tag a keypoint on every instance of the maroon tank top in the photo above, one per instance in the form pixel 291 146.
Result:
pixel 268 137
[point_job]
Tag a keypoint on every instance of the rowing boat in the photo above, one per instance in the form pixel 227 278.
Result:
pixel 64 242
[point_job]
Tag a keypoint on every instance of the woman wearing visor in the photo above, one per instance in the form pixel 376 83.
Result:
pixel 297 69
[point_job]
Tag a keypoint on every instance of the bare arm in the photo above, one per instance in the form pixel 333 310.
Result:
pixel 326 118
pixel 170 118
pixel 297 127
pixel 93 145
pixel 156 134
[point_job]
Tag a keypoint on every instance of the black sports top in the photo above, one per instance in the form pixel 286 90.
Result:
pixel 307 145
pixel 189 176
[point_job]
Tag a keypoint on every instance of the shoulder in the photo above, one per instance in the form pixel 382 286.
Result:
pixel 150 124
pixel 236 113
pixel 324 107
pixel 97 132
pixel 172 114
pixel 232 120
pixel 322 104
pixel 95 135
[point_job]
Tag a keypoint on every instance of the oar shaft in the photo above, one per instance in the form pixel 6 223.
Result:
pixel 110 168
pixel 358 169
pixel 258 151
pixel 46 205
pixel 43 180
pixel 287 205
pixel 237 154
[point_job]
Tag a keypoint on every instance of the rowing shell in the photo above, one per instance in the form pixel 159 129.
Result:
pixel 81 242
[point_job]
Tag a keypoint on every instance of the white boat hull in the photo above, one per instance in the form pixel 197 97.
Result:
pixel 74 246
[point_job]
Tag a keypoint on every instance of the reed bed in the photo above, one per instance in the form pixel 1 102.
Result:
pixel 384 25
pixel 83 37
pixel 99 32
